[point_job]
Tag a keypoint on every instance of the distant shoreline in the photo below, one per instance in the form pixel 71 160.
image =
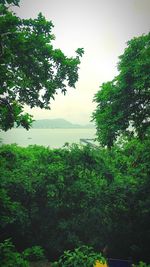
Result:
pixel 58 124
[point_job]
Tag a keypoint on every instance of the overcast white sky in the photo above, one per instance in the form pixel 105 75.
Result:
pixel 102 28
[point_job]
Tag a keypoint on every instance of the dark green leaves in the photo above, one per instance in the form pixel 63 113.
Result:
pixel 63 198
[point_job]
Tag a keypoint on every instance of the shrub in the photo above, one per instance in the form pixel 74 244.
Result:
pixel 35 253
pixel 9 257
pixel 83 256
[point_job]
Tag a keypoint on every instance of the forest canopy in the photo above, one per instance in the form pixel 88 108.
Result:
pixel 32 71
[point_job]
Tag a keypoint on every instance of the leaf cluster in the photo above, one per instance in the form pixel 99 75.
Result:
pixel 81 256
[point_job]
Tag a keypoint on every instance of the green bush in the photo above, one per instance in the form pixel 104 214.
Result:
pixel 83 256
pixel 35 253
pixel 9 257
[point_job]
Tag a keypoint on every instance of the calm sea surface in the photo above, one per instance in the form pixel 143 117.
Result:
pixel 53 138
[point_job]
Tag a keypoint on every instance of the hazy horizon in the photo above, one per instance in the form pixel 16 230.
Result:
pixel 102 28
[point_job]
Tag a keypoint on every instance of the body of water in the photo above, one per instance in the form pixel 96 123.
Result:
pixel 53 138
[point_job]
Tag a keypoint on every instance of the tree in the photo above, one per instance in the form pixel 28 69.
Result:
pixel 31 70
pixel 123 104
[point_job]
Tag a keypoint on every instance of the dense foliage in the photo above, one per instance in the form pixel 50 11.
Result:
pixel 31 70
pixel 123 104
pixel 64 198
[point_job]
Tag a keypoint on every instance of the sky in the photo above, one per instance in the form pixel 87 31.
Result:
pixel 102 28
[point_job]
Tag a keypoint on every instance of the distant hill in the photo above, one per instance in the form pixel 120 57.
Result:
pixel 57 123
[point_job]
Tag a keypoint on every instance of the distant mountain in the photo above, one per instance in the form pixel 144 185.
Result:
pixel 57 123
